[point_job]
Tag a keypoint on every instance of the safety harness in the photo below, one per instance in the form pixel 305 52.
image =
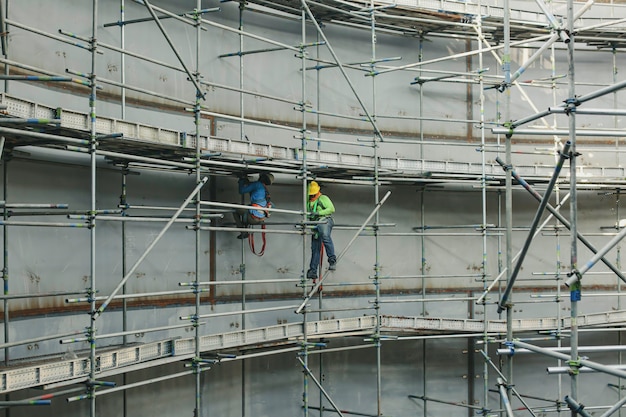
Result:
pixel 267 214
pixel 251 242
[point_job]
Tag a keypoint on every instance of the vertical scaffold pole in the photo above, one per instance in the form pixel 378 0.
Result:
pixel 123 203
pixel 5 266
pixel 320 298
pixel 506 64
pixel 423 222
pixel 423 273
pixel 92 217
pixel 483 189
pixel 575 288
pixel 376 336
pixel 4 31
pixel 617 220
pixel 197 362
pixel 557 233
pixel 305 357
pixel 242 263
pixel 123 59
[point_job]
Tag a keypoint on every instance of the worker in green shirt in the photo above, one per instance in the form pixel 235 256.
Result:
pixel 320 208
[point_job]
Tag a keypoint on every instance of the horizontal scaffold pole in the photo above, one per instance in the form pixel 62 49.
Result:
pixel 251 121
pixel 249 230
pixel 464 54
pixel 237 282
pixel 52 395
pixel 585 349
pixel 38 339
pixel 25 402
pixel 45 34
pixel 44 136
pixel 232 205
pixel 561 356
pixel 557 132
pixel 136 384
pixel 149 19
pixel 571 106
pixel 133 295
pixel 126 333
pixel 458 404
pixel 231 313
pixel 144 159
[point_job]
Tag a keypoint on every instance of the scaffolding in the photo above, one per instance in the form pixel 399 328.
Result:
pixel 487 31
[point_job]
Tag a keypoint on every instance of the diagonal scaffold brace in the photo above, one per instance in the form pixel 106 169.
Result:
pixel 567 225
pixel 563 155
pixel 132 270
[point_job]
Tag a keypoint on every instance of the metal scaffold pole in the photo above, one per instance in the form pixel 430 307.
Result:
pixel 506 63
pixel 575 290
pixel 484 268
pixel 91 387
pixel 377 265
pixel 372 170
pixel 123 203
pixel 198 362
pixel 242 136
pixel 304 353
pixel 5 251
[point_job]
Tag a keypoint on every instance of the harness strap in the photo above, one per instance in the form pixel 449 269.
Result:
pixel 267 213
pixel 251 242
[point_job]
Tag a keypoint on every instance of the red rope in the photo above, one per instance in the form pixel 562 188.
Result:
pixel 251 242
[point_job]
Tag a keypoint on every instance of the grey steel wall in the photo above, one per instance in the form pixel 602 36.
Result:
pixel 47 259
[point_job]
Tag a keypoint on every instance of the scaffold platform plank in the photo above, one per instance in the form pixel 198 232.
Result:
pixel 169 144
pixel 114 360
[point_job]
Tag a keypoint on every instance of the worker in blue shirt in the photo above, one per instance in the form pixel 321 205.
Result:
pixel 259 198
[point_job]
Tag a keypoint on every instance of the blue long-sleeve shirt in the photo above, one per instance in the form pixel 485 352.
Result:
pixel 258 195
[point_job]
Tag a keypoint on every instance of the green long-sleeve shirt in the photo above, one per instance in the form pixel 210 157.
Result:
pixel 322 207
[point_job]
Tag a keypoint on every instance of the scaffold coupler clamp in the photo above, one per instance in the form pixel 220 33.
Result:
pixel 576 407
pixel 571 104
pixel 573 272
pixel 503 383
pixel 511 347
pixel 506 167
pixel 502 86
pixel 574 366
pixel 502 306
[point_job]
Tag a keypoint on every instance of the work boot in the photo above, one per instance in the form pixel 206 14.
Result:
pixel 243 235
pixel 311 274
pixel 332 266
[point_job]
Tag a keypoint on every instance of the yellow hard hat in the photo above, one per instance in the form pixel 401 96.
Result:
pixel 314 188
